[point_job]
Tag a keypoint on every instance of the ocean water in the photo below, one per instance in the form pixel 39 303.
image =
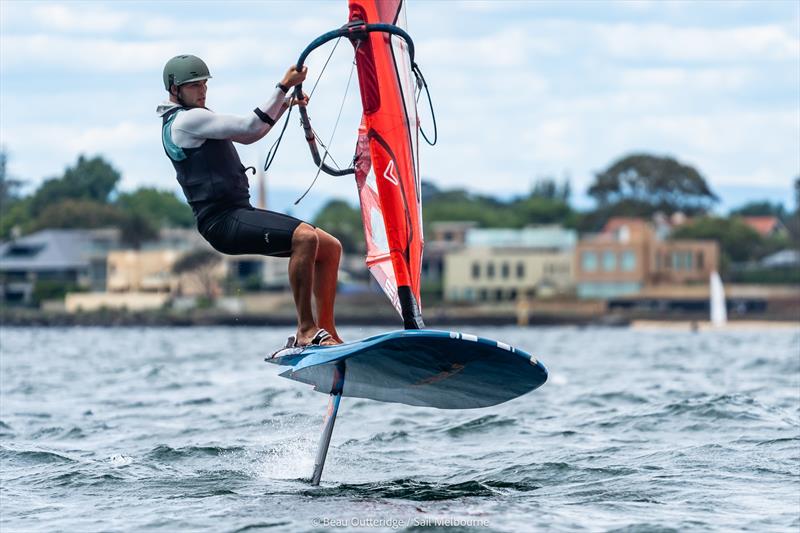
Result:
pixel 187 429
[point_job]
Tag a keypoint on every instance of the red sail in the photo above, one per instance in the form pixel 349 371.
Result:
pixel 387 166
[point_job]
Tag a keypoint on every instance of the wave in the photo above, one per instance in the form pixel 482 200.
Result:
pixel 480 425
pixel 416 490
pixel 163 452
pixel 32 457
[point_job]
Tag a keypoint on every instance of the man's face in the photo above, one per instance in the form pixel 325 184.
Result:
pixel 193 94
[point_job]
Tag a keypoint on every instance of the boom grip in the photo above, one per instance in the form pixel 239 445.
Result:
pixel 354 30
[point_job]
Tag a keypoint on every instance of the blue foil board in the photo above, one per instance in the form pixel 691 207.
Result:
pixel 429 368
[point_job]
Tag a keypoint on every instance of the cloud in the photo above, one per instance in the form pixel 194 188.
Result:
pixel 520 90
pixel 687 79
pixel 89 18
pixel 661 42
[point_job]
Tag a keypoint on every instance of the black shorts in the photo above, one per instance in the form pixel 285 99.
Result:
pixel 247 230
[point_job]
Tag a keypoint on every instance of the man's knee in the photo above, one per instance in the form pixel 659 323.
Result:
pixel 304 239
pixel 331 244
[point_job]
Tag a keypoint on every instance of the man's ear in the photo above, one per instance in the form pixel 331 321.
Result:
pixel 173 90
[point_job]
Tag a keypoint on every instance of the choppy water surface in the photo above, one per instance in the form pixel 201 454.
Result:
pixel 187 429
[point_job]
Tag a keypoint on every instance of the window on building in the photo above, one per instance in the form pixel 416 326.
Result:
pixel 628 262
pixel 589 261
pixel 498 295
pixel 505 270
pixel 512 294
pixel 609 261
pixel 23 250
pixel 682 260
pixel 482 295
pixel 699 260
pixel 520 270
pixel 490 270
pixel 476 270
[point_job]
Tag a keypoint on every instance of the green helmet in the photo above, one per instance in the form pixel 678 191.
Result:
pixel 184 69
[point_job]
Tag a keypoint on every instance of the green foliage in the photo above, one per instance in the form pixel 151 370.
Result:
pixel 51 290
pixel 90 179
pixel 343 221
pixel 459 205
pixel 738 242
pixel 136 229
pixel 162 208
pixel 9 187
pixel 777 276
pixel 541 210
pixel 81 198
pixel 549 189
pixel 78 213
pixel 797 196
pixel 661 183
pixel 593 221
pixel 15 214
pixel 760 208
pixel 14 210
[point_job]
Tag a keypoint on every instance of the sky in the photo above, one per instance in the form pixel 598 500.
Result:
pixel 521 89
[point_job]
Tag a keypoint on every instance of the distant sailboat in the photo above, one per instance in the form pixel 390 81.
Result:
pixel 719 313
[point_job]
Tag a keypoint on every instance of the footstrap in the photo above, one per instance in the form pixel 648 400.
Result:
pixel 319 337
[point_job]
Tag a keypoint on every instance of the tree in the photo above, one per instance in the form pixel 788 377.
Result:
pixel 78 214
pixel 200 264
pixel 760 208
pixel 655 183
pixel 90 179
pixel 161 208
pixel 460 205
pixel 797 196
pixel 14 209
pixel 343 221
pixel 16 218
pixel 539 210
pixel 738 242
pixel 9 186
pixel 549 189
pixel 136 229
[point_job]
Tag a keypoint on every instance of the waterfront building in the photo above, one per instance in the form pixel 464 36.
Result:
pixel 630 254
pixel 766 226
pixel 496 265
pixel 44 262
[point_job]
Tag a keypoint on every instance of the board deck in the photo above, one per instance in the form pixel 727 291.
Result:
pixel 430 368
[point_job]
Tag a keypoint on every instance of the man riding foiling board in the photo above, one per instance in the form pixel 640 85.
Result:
pixel 199 143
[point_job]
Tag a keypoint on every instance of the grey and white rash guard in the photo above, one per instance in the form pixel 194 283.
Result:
pixel 193 126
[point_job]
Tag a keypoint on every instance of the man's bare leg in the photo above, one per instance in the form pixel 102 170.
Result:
pixel 301 277
pixel 326 275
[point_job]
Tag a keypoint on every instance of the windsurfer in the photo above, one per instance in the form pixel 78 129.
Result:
pixel 199 143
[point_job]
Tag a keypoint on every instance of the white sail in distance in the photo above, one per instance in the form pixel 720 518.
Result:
pixel 719 314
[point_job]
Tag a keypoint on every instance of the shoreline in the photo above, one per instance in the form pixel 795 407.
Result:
pixel 435 318
pixel 694 325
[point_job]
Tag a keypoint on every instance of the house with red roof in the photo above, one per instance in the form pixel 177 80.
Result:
pixel 766 226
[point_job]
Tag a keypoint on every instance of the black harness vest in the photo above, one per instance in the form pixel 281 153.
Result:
pixel 212 176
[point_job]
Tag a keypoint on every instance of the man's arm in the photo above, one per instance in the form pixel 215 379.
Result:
pixel 193 126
